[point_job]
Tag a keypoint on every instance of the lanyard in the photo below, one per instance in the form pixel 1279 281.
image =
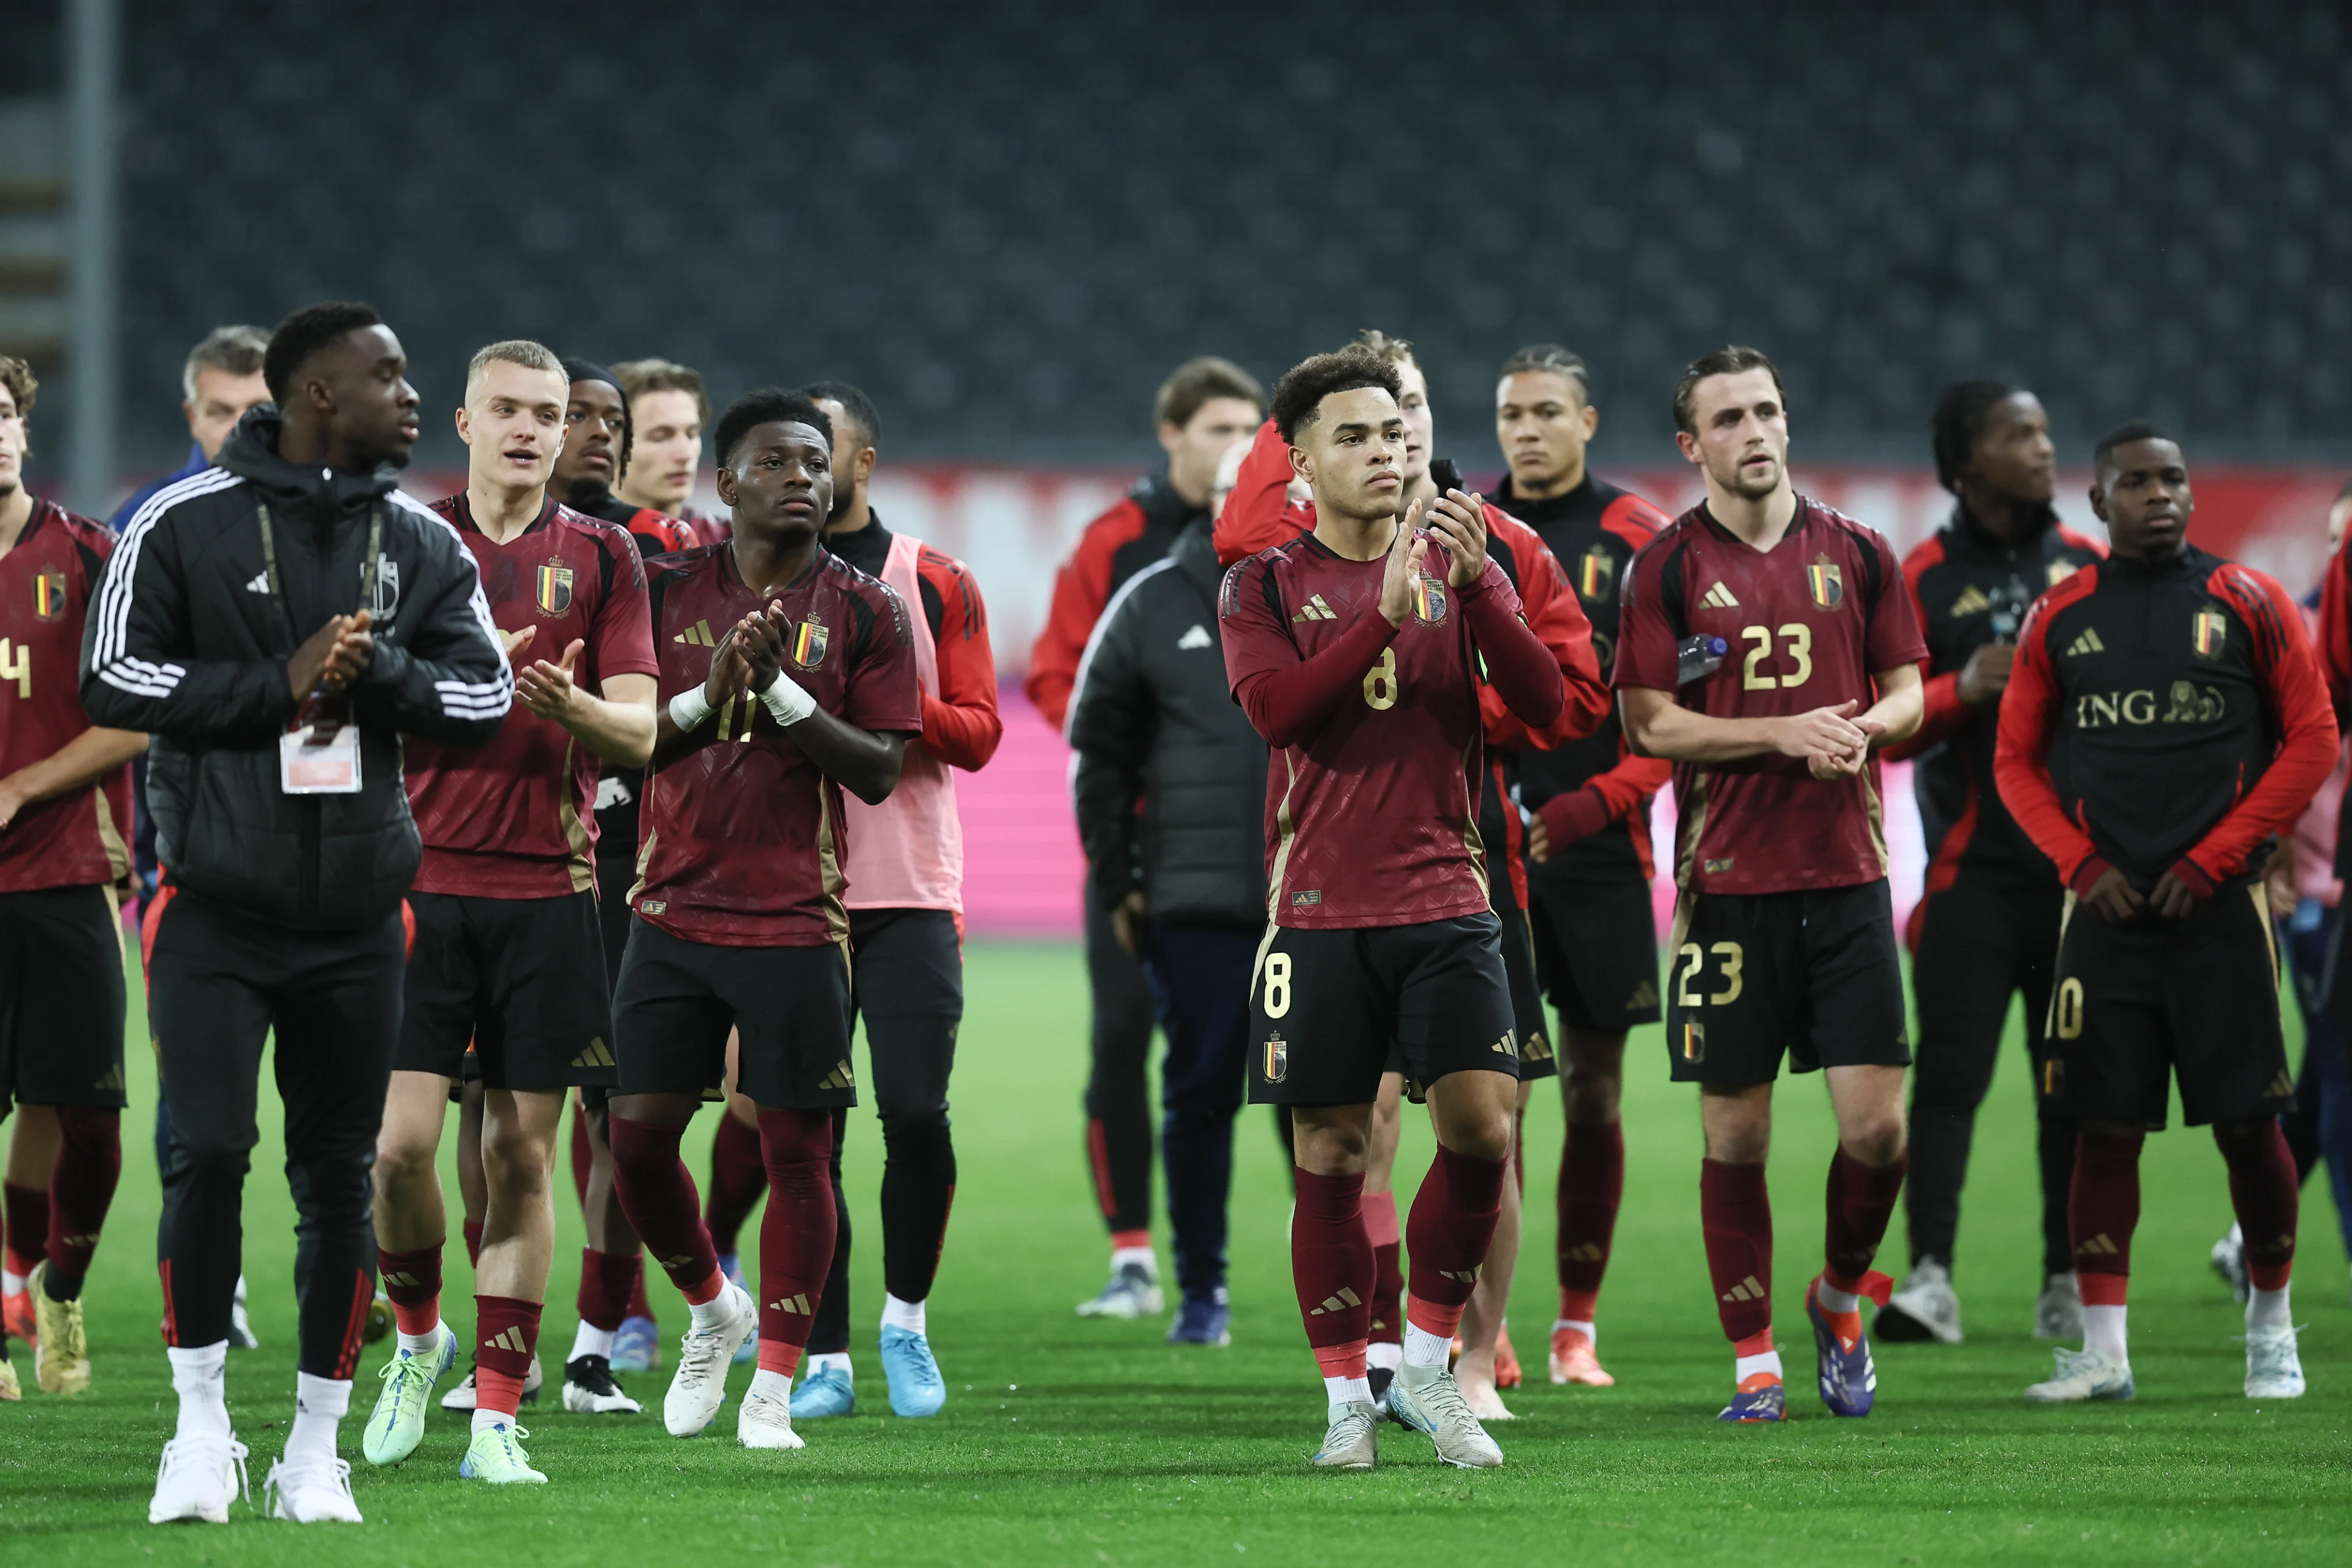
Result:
pixel 367 565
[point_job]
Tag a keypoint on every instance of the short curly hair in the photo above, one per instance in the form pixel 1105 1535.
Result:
pixel 304 333
pixel 768 405
pixel 23 386
pixel 1300 394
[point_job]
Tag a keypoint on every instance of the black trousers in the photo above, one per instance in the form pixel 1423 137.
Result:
pixel 1980 942
pixel 1200 976
pixel 1118 1099
pixel 218 983
pixel 907 984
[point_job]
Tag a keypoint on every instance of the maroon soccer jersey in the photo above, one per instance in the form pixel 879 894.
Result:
pixel 516 819
pixel 1371 819
pixel 743 843
pixel 80 838
pixel 1810 621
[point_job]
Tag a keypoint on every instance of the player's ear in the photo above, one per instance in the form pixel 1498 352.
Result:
pixel 465 426
pixel 727 490
pixel 1689 443
pixel 2098 502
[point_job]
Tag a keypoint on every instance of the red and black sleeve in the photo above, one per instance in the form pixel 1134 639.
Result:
pixel 961 723
pixel 1259 513
pixel 1557 619
pixel 1081 588
pixel 1943 714
pixel 2336 632
pixel 2029 717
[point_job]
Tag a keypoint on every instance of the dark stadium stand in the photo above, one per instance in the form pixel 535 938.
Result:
pixel 1009 220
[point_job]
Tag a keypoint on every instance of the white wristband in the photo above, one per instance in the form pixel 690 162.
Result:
pixel 688 708
pixel 787 701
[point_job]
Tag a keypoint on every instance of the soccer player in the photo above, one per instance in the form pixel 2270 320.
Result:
pixel 1356 650
pixel 221 381
pixel 1588 920
pixel 1204 407
pixel 2166 718
pixel 667 411
pixel 65 820
pixel 1784 938
pixel 791 675
pixel 906 925
pixel 507 956
pixel 1989 923
pixel 277 626
pixel 1260 515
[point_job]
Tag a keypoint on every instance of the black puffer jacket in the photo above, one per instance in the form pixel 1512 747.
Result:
pixel 1152 720
pixel 184 642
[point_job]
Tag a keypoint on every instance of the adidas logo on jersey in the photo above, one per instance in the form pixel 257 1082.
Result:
pixel 1719 598
pixel 1346 1299
pixel 1197 637
pixel 597 1055
pixel 1314 609
pixel 1972 601
pixel 1745 1290
pixel 696 635
pixel 2088 643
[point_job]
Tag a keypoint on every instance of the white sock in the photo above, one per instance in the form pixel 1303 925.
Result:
pixel 1746 1366
pixel 831 1361
pixel 201 1378
pixel 1573 1326
pixel 421 1344
pixel 898 1314
pixel 2103 1330
pixel 718 1310
pixel 320 1403
pixel 1833 1299
pixel 590 1339
pixel 2268 1310
pixel 14 1284
pixel 486 1419
pixel 1422 1348
pixel 1380 1354
pixel 1348 1390
pixel 1121 1257
pixel 775 1385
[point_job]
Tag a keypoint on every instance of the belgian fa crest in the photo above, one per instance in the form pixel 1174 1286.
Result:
pixel 808 644
pixel 1428 600
pixel 554 588
pixel 2209 634
pixel 1824 583
pixel 1277 1058
pixel 1596 574
pixel 49 595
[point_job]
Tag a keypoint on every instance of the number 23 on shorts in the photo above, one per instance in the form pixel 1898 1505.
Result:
pixel 1691 961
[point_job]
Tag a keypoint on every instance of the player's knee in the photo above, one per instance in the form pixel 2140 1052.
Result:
pixel 916 1132
pixel 401 1159
pixel 1876 1140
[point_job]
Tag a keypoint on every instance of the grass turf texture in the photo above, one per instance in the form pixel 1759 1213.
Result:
pixel 1070 1441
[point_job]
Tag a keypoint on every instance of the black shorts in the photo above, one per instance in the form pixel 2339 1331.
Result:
pixel 1326 1005
pixel 791 1004
pixel 522 979
pixel 1813 973
pixel 1536 1059
pixel 1596 946
pixel 61 997
pixel 2134 1005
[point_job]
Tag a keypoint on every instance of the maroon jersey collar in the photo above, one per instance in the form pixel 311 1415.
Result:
pixel 726 564
pixel 466 523
pixel 1797 524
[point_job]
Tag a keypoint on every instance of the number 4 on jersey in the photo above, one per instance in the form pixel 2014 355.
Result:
pixel 16 665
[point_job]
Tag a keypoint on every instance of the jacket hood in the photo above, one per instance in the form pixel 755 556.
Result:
pixel 251 452
pixel 1161 504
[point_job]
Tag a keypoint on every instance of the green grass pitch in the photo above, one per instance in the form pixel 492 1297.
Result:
pixel 1081 1442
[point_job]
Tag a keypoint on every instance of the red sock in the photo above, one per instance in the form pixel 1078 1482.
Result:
pixel 473 1231
pixel 413 1280
pixel 2102 1210
pixel 1447 1234
pixel 1591 1189
pixel 505 1332
pixel 1331 1269
pixel 1735 1216
pixel 27 1226
pixel 583 1154
pixel 1861 1201
pixel 2262 1191
pixel 796 1234
pixel 81 1185
pixel 640 1306
pixel 657 1194
pixel 1388 1272
pixel 738 1175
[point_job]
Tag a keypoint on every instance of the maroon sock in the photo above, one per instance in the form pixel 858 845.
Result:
pixel 413 1281
pixel 2102 1210
pixel 1735 1216
pixel 27 1226
pixel 604 1281
pixel 657 1194
pixel 796 1235
pixel 1332 1269
pixel 81 1186
pixel 473 1230
pixel 640 1306
pixel 2262 1191
pixel 583 1154
pixel 1591 1189
pixel 505 1332
pixel 738 1175
pixel 1388 1270
pixel 1861 1201
pixel 1446 1236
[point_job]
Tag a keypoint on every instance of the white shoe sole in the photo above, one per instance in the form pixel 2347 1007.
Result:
pixel 686 1421
pixel 193 1513
pixel 580 1402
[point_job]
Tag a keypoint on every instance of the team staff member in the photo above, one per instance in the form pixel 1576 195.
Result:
pixel 906 927
pixel 276 626
pixel 1203 408
pixel 65 816
pixel 740 923
pixel 1989 923
pixel 1183 881
pixel 1784 938
pixel 506 962
pixel 220 381
pixel 1589 914
pixel 2166 720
